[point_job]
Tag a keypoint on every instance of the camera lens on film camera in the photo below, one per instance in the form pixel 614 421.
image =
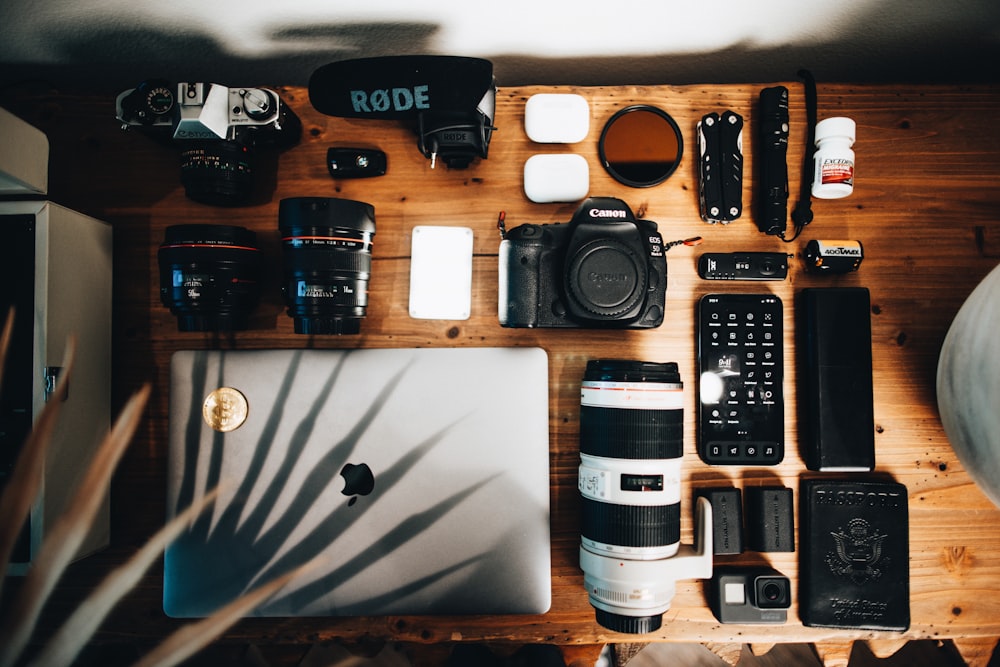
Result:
pixel 218 172
pixel 210 276
pixel 327 252
pixel 631 445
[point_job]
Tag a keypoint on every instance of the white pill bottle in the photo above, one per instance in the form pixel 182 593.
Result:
pixel 833 175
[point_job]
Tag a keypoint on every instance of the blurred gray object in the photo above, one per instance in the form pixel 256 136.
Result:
pixel 968 385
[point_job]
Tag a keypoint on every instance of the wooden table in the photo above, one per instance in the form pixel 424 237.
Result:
pixel 925 208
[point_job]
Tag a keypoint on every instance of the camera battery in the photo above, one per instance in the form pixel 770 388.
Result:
pixel 727 519
pixel 770 519
pixel 833 256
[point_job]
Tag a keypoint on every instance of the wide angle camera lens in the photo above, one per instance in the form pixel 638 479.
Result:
pixel 210 276
pixel 772 592
pixel 327 253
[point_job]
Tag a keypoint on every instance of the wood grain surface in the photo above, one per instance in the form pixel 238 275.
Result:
pixel 925 207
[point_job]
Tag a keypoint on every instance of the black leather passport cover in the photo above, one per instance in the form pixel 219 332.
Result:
pixel 854 544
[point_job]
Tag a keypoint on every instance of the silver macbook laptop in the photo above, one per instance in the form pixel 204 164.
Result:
pixel 418 479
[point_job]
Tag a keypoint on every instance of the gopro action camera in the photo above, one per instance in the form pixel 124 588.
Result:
pixel 752 595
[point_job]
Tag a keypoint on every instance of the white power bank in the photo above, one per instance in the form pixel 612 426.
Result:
pixel 441 273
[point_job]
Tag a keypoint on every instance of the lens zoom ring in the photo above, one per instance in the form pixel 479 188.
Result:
pixel 631 525
pixel 631 434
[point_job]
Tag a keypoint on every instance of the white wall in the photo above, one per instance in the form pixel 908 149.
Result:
pixel 529 41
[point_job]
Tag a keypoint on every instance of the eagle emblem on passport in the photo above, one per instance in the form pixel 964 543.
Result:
pixel 858 552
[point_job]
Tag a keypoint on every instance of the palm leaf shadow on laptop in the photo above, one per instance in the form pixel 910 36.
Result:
pixel 238 561
pixel 337 520
pixel 382 547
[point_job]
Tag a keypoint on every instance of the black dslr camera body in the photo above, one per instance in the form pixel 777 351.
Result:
pixel 217 129
pixel 603 269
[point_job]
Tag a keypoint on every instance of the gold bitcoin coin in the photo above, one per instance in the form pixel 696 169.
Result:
pixel 225 409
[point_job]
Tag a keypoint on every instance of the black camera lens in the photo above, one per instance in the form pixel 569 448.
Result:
pixel 210 276
pixel 327 252
pixel 772 592
pixel 217 172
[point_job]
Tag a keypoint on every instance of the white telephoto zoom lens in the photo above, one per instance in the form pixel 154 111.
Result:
pixel 631 446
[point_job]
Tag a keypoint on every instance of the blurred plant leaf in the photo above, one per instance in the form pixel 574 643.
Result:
pixel 68 531
pixel 193 637
pixel 67 643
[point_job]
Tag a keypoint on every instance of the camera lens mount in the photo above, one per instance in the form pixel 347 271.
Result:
pixel 607 278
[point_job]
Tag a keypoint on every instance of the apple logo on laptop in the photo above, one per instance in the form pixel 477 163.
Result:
pixel 358 481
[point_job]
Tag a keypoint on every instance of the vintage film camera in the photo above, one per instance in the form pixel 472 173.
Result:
pixel 218 130
pixel 604 269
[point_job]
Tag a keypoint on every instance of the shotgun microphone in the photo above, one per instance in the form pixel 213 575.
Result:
pixel 451 98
